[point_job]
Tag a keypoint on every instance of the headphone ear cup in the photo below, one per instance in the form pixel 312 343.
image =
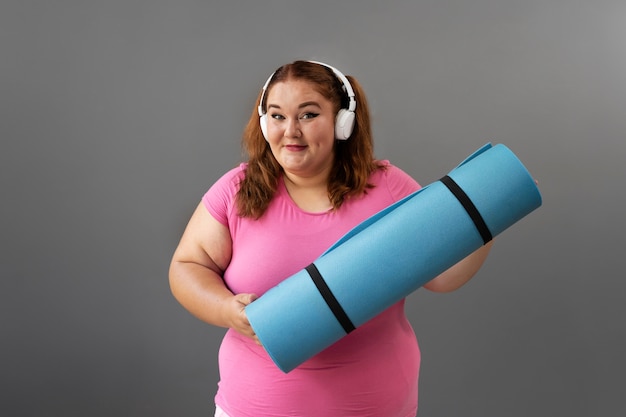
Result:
pixel 344 123
pixel 263 123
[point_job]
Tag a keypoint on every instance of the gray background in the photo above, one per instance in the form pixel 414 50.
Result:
pixel 116 116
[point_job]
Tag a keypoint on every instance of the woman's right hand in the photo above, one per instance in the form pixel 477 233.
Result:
pixel 238 319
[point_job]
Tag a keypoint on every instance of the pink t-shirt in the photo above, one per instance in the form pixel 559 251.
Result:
pixel 372 371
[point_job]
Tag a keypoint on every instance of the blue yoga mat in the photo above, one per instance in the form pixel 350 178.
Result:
pixel 392 254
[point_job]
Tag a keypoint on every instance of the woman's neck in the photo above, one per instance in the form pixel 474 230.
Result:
pixel 308 193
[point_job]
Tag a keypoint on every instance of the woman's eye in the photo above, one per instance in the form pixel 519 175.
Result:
pixel 277 116
pixel 310 115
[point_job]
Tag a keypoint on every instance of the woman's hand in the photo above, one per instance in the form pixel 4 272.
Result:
pixel 236 314
pixel 460 273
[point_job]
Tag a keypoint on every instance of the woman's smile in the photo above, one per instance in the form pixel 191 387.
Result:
pixel 296 148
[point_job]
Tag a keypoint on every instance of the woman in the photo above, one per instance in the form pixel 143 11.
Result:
pixel 311 176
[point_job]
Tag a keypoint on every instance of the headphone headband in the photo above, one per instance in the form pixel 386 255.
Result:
pixel 344 81
pixel 345 117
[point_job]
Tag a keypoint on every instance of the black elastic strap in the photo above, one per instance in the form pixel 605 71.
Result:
pixel 330 299
pixel 469 207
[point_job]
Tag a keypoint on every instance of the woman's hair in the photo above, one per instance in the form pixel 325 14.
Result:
pixel 354 157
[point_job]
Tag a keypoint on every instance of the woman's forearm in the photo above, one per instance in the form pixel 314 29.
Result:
pixel 460 273
pixel 203 293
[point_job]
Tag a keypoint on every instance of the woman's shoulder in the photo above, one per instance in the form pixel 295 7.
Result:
pixel 396 180
pixel 220 197
pixel 387 171
pixel 235 174
pixel 231 178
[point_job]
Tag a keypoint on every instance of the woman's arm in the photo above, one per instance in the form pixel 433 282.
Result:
pixel 196 273
pixel 459 274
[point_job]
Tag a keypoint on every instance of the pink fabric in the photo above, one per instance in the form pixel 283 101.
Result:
pixel 373 371
pixel 219 412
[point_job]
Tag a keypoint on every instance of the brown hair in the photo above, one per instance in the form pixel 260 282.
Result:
pixel 354 157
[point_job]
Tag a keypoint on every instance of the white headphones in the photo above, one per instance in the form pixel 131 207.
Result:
pixel 344 122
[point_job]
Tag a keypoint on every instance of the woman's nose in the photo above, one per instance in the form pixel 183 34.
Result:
pixel 293 128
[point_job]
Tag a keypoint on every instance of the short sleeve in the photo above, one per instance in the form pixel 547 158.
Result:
pixel 219 200
pixel 399 183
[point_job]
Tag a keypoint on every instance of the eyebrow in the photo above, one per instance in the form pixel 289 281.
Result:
pixel 302 105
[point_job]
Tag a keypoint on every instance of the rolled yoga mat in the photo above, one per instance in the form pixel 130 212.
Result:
pixel 392 254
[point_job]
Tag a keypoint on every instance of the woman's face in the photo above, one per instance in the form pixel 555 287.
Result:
pixel 301 129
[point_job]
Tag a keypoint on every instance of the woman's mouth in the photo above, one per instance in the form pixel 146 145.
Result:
pixel 295 148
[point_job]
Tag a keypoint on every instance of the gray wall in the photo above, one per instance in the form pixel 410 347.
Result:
pixel 116 116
